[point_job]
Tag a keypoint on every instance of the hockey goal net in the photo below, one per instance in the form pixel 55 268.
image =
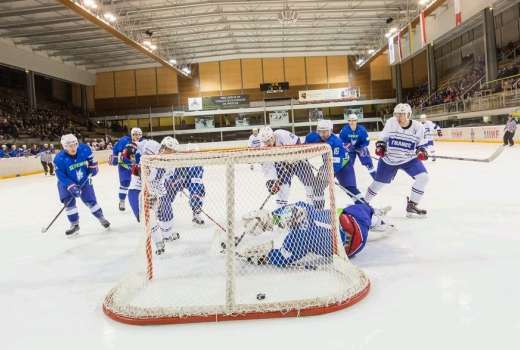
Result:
pixel 231 249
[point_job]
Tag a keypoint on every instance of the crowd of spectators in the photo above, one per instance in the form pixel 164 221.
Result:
pixel 453 91
pixel 35 150
pixel 47 122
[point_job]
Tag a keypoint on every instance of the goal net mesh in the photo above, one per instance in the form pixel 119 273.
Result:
pixel 237 234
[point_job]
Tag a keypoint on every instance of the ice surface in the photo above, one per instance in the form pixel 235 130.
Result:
pixel 448 281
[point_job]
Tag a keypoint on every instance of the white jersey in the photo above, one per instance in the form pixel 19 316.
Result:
pixel 145 147
pixel 254 141
pixel 282 138
pixel 430 130
pixel 401 144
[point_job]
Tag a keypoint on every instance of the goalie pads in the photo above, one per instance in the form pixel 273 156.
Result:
pixel 257 222
pixel 257 255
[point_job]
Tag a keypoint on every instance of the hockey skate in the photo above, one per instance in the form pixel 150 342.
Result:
pixel 159 248
pixel 172 237
pixel 122 205
pixel 104 222
pixel 412 211
pixel 72 231
pixel 382 211
pixel 197 219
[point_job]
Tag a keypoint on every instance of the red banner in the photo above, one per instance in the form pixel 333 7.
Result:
pixel 458 13
pixel 422 24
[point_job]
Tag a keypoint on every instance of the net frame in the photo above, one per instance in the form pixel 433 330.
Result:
pixel 230 157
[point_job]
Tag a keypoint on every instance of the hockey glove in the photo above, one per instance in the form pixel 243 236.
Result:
pixel 128 153
pixel 74 190
pixel 273 186
pixel 93 168
pixel 439 132
pixel 113 159
pixel 422 154
pixel 380 148
pixel 136 170
pixel 348 147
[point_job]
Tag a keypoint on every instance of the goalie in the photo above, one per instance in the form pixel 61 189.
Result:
pixel 308 231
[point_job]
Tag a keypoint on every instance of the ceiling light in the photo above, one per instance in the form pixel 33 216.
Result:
pixel 423 2
pixel 152 47
pixel 360 61
pixel 371 51
pixel 91 4
pixel 173 61
pixel 186 70
pixel 109 17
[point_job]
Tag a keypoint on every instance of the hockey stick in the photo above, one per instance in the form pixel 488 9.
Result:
pixel 45 229
pixel 489 159
pixel 241 237
pixel 207 215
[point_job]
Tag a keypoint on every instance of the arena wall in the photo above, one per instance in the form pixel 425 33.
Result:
pixel 483 134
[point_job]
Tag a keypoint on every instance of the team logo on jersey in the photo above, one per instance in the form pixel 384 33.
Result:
pixel 404 144
pixel 79 174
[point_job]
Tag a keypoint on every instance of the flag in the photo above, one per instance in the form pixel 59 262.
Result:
pixel 399 46
pixel 391 50
pixel 458 13
pixel 411 37
pixel 422 21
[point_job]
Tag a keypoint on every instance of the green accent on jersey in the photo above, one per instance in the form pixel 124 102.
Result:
pixel 78 165
pixel 339 211
pixel 124 165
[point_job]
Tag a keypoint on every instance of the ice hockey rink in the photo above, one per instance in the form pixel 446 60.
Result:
pixel 449 281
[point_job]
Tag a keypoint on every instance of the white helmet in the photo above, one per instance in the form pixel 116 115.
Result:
pixel 352 117
pixel 149 147
pixel 423 117
pixel 324 125
pixel 265 134
pixel 403 108
pixel 68 139
pixel 136 131
pixel 170 142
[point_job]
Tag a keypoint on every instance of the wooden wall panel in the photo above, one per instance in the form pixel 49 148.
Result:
pixel 420 69
pixel 76 95
pixel 124 83
pixel 166 81
pixel 380 68
pixel 231 75
pixel 146 82
pixel 91 106
pixel 360 78
pixel 337 69
pixel 104 85
pixel 273 70
pixel 209 74
pixel 295 71
pixel 251 73
pixel 407 74
pixel 316 70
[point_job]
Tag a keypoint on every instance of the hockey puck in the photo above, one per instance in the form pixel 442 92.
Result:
pixel 260 296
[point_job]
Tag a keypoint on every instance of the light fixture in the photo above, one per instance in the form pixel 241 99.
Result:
pixel 186 70
pixel 152 47
pixel 391 32
pixel 360 61
pixel 147 43
pixel 109 17
pixel 91 4
pixel 423 2
pixel 371 51
pixel 173 61
pixel 288 15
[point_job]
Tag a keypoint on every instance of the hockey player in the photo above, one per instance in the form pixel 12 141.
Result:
pixel 254 140
pixel 401 145
pixel 430 130
pixel 307 231
pixel 166 184
pixel 145 147
pixel 355 139
pixel 117 158
pixel 343 168
pixel 74 166
pixel 279 174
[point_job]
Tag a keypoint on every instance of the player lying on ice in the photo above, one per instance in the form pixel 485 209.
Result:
pixel 75 165
pixel 307 231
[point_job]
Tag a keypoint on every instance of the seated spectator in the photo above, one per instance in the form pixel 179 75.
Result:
pixel 4 153
pixel 14 152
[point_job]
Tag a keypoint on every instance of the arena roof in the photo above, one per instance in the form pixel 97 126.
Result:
pixel 200 30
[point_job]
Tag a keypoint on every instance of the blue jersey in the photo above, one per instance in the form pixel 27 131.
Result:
pixel 3 154
pixel 15 153
pixel 357 138
pixel 362 214
pixel 339 157
pixel 120 147
pixel 73 169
